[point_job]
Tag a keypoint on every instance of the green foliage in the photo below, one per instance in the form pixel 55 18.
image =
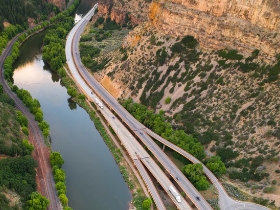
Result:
pixel 25 130
pixel 226 154
pixel 59 175
pixel 45 127
pixel 167 100
pixel 100 20
pixel 153 39
pixel 230 55
pixel 216 165
pixel 72 91
pixel 63 199
pixel 194 172
pixel 22 119
pixel 161 55
pixel 147 203
pixel 157 123
pixel 111 25
pixel 56 159
pixel 37 202
pixel 19 174
pixel 125 56
pixel 87 50
pixel 29 147
pixel 189 41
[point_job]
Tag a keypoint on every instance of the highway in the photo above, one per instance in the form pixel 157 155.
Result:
pixel 47 182
pixel 225 202
pixel 139 130
pixel 74 63
pixel 134 149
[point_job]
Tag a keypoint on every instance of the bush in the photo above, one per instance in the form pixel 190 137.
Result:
pixel 189 41
pixel 230 55
pixel 168 100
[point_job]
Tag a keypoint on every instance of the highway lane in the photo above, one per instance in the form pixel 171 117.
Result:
pixel 225 201
pixel 130 143
pixel 128 119
pixel 47 182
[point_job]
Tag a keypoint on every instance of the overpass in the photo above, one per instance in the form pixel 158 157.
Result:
pixel 72 52
pixel 225 201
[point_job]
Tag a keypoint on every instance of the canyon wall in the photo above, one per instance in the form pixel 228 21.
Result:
pixel 241 24
pixel 135 11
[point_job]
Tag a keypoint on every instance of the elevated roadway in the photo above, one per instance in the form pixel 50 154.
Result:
pixel 225 201
pixel 135 150
pixel 80 72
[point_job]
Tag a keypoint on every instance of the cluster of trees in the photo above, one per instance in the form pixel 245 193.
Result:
pixel 4 98
pixel 108 24
pixel 37 201
pixel 18 11
pixel 194 172
pixel 54 41
pixel 35 108
pixel 60 178
pixel 156 122
pixel 248 169
pixel 19 174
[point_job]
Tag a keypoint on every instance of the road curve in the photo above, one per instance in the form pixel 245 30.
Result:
pixel 92 84
pixel 225 201
pixel 48 181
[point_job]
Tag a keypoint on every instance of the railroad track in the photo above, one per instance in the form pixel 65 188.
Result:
pixel 47 182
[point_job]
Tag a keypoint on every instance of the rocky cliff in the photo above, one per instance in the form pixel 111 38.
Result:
pixel 120 11
pixel 241 24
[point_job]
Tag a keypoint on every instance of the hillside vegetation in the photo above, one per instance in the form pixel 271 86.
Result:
pixel 18 11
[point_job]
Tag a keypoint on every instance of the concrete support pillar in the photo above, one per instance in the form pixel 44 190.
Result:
pixel 163 147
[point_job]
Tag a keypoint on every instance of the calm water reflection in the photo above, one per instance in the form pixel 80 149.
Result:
pixel 93 177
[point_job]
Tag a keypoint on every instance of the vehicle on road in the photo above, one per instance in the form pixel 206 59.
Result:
pixel 175 193
pixel 99 103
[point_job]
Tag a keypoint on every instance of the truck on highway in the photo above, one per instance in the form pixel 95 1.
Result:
pixel 99 103
pixel 175 193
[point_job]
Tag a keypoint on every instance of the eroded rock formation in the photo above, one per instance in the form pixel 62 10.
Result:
pixel 241 24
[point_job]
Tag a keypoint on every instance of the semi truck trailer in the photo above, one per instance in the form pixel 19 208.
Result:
pixel 99 103
pixel 175 193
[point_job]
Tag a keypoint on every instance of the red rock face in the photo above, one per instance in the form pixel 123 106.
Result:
pixel 117 12
pixel 118 16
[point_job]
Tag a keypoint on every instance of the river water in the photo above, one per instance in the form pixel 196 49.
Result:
pixel 93 178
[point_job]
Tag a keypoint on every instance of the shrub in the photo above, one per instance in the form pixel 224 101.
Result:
pixel 168 100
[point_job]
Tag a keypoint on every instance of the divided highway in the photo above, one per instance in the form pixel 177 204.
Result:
pixel 76 67
pixel 80 73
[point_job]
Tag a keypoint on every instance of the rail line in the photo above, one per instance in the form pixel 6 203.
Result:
pixel 47 182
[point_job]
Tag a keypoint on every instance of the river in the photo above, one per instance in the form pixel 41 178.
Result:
pixel 93 177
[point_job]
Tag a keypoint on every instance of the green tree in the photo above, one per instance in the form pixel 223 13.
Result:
pixel 216 165
pixel 37 202
pixel 63 198
pixel 147 203
pixel 56 159
pixel 25 130
pixel 29 147
pixel 59 175
pixel 194 172
pixel 168 100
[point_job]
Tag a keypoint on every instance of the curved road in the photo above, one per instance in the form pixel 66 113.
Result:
pixel 226 203
pixel 47 182
pixel 74 35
